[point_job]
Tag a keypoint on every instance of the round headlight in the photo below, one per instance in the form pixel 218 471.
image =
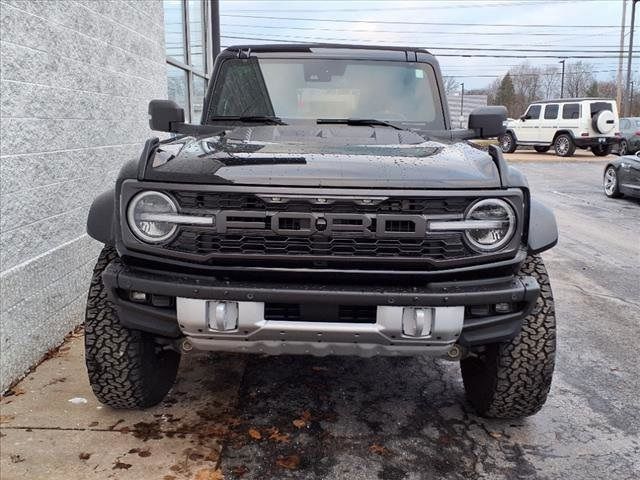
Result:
pixel 499 224
pixel 145 213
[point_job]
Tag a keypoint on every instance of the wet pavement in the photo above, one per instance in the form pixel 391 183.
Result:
pixel 381 418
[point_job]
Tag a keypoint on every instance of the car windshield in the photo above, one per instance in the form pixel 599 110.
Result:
pixel 295 89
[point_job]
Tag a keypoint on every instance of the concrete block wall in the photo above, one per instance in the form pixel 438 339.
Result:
pixel 75 80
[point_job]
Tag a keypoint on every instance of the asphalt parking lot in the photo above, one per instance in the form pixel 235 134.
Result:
pixel 348 418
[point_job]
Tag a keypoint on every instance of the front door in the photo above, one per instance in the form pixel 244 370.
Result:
pixel 529 124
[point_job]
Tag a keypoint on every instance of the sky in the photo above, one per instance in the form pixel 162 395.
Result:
pixel 577 27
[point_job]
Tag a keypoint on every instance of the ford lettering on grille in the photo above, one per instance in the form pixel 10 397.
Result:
pixel 326 224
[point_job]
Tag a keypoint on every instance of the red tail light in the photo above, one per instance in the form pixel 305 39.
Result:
pixel 638 133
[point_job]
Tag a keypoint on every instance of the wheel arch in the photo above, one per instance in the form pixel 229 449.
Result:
pixel 101 219
pixel 560 132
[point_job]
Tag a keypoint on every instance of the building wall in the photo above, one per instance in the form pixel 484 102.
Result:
pixel 76 78
pixel 471 102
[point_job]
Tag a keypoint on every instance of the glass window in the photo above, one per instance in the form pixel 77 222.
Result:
pixel 624 124
pixel 187 52
pixel 597 107
pixel 196 36
pixel 551 111
pixel 571 111
pixel 174 29
pixel 177 86
pixel 323 88
pixel 534 112
pixel 197 98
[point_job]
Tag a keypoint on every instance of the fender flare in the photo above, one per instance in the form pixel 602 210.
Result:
pixel 543 228
pixel 100 222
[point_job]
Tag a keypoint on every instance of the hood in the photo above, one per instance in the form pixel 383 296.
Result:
pixel 341 156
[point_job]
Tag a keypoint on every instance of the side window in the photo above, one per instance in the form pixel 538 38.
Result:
pixel 551 111
pixel 624 124
pixel 571 111
pixel 534 112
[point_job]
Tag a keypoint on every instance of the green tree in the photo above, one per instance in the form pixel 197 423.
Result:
pixel 506 93
pixel 593 90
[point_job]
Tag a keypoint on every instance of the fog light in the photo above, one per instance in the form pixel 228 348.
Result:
pixel 416 322
pixel 223 316
pixel 503 307
pixel 138 297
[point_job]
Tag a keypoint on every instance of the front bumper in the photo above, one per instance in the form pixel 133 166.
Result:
pixel 383 336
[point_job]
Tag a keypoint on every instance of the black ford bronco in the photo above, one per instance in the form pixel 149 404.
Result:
pixel 324 206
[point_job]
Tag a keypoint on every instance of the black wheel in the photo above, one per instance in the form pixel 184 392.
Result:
pixel 610 183
pixel 512 379
pixel 507 143
pixel 126 368
pixel 541 149
pixel 601 150
pixel 564 146
pixel 623 148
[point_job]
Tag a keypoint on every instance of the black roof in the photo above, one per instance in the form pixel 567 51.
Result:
pixel 379 51
pixel 564 100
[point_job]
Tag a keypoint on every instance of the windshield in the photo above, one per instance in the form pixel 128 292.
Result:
pixel 312 89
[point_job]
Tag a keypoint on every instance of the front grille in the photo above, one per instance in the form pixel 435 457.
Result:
pixel 200 242
pixel 319 229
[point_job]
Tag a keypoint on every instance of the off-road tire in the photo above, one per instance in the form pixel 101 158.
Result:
pixel 126 368
pixel 563 149
pixel 512 379
pixel 601 151
pixel 541 149
pixel 507 143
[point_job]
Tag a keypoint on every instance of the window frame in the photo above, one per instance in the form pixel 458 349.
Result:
pixel 207 12
pixel 546 107
pixel 564 107
pixel 528 112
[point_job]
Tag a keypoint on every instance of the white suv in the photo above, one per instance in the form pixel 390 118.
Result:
pixel 565 124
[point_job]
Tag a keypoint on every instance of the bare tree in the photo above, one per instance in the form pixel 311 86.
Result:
pixel 451 85
pixel 550 82
pixel 578 79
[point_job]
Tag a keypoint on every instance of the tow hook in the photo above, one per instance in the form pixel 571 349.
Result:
pixel 186 346
pixel 456 352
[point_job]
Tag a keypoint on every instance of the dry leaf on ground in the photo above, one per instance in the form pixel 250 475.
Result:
pixel 290 462
pixel 275 435
pixel 209 474
pixel 255 434
pixel 378 449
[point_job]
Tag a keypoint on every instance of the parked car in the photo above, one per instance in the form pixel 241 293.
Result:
pixel 622 176
pixel 630 133
pixel 565 124
pixel 323 206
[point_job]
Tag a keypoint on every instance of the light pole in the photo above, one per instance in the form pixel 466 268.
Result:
pixel 633 19
pixel 619 96
pixel 461 105
pixel 562 79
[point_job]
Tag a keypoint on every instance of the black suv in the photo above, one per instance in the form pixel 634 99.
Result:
pixel 322 206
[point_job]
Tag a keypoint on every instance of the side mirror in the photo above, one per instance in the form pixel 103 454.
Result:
pixel 524 117
pixel 165 116
pixel 487 122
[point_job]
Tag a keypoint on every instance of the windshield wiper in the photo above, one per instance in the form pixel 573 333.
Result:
pixel 249 119
pixel 358 121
